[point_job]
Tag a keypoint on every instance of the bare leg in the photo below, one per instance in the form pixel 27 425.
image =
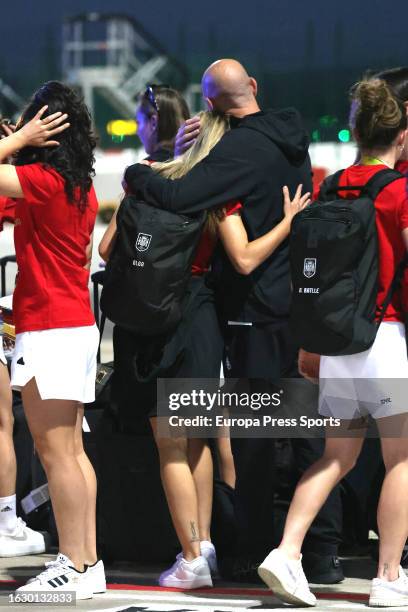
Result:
pixel 52 424
pixel 313 489
pixel 91 488
pixel 201 465
pixel 226 460
pixel 8 467
pixel 180 490
pixel 392 514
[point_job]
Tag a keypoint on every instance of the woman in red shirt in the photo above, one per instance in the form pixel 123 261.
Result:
pixel 186 464
pixel 379 123
pixel 54 361
pixel 15 537
pixel 397 80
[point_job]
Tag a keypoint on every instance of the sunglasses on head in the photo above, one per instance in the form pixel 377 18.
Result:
pixel 150 96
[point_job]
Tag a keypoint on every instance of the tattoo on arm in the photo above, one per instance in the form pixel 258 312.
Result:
pixel 194 535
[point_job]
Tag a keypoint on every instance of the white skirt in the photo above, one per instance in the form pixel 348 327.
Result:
pixel 62 361
pixel 372 382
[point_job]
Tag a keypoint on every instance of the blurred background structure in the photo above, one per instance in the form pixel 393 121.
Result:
pixel 303 54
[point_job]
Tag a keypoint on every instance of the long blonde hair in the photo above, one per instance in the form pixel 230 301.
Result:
pixel 212 128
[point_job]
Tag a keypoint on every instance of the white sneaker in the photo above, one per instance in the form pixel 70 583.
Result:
pixel 95 574
pixel 286 579
pixel 187 574
pixel 386 594
pixel 60 560
pixel 59 575
pixel 95 578
pixel 23 541
pixel 208 552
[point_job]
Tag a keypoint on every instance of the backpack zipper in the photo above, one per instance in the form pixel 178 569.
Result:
pixel 330 220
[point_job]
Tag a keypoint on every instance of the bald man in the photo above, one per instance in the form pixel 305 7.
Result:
pixel 263 151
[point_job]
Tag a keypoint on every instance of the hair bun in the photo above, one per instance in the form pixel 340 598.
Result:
pixel 377 115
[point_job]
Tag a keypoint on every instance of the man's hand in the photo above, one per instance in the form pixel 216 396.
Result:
pixel 143 162
pixel 186 136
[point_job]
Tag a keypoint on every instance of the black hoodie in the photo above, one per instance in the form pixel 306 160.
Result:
pixel 251 163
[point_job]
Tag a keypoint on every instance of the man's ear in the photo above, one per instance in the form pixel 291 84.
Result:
pixel 209 103
pixel 254 86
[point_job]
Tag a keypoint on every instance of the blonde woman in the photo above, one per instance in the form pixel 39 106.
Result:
pixel 186 465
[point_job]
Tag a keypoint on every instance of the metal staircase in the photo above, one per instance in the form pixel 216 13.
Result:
pixel 114 55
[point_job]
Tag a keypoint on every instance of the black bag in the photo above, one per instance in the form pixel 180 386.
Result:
pixel 334 267
pixel 150 266
pixel 104 371
pixel 134 523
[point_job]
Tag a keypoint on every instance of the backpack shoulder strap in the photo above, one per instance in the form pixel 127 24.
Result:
pixel 372 188
pixel 380 180
pixel 330 186
pixel 394 286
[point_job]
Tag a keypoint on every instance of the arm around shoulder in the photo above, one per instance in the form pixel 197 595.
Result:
pixel 226 174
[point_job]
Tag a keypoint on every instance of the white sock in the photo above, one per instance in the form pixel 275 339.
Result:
pixel 8 517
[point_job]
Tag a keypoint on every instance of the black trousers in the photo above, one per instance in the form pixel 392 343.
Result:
pixel 263 354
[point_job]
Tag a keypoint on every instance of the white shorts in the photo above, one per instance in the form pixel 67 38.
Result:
pixel 62 361
pixel 372 382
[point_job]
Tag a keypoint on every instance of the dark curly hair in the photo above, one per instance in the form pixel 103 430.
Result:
pixel 74 158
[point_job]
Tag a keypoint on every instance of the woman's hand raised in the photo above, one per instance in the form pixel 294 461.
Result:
pixel 39 132
pixel 299 202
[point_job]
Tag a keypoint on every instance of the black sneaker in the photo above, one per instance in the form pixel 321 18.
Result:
pixel 322 569
pixel 240 569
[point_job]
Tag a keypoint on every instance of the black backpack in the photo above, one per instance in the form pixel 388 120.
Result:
pixel 150 266
pixel 334 268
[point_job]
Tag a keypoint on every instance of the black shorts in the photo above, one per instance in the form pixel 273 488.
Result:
pixel 259 351
pixel 201 358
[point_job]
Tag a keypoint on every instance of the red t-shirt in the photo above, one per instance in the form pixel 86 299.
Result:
pixel 51 236
pixel 391 208
pixel 207 244
pixel 402 166
pixel 7 210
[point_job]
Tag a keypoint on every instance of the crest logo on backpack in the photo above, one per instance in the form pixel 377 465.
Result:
pixel 143 242
pixel 309 267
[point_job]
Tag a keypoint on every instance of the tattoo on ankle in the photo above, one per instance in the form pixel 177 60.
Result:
pixel 194 535
pixel 385 569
